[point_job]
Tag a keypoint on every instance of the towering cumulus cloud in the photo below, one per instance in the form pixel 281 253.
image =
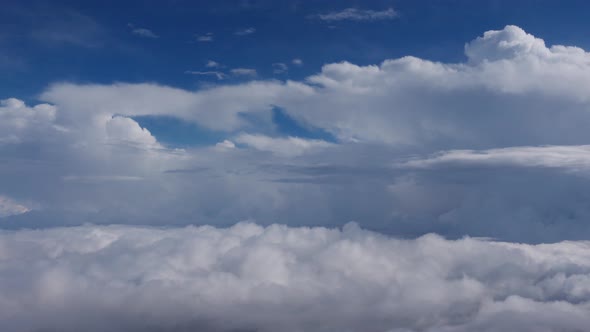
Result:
pixel 279 278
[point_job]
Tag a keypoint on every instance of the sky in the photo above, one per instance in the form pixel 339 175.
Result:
pixel 294 165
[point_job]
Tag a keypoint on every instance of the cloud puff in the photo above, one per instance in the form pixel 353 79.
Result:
pixel 278 278
pixel 19 122
pixel 355 14
pixel 212 64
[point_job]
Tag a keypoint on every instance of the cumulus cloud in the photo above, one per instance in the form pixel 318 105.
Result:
pixel 19 122
pixel 355 14
pixel 477 147
pixel 278 278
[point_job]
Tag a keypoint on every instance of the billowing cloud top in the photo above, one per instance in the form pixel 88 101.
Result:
pixel 492 146
pixel 250 278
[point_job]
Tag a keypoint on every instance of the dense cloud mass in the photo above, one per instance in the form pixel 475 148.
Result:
pixel 494 146
pixel 279 278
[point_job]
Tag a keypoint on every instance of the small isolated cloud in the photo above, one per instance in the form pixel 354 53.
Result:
pixel 244 32
pixel 9 207
pixel 354 14
pixel 226 144
pixel 142 32
pixel 279 68
pixel 244 72
pixel 208 37
pixel 297 62
pixel 212 64
pixel 219 75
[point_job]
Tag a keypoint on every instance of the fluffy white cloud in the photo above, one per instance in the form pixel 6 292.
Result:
pixel 19 122
pixel 279 278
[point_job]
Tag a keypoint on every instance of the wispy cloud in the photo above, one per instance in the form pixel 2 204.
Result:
pixel 244 72
pixel 354 14
pixel 208 37
pixel 297 62
pixel 279 68
pixel 245 31
pixel 143 32
pixel 219 75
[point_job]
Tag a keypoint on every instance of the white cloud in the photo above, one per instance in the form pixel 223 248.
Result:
pixel 19 122
pixel 244 72
pixel 212 64
pixel 297 62
pixel 280 278
pixel 279 68
pixel 9 207
pixel 245 31
pixel 576 157
pixel 219 75
pixel 355 14
pixel 144 33
pixel 286 147
pixel 208 37
pixel 510 100
pixel 226 144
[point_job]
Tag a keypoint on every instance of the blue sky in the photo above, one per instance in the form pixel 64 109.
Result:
pixel 91 41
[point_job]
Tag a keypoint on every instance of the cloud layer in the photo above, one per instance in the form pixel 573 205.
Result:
pixel 250 278
pixel 493 146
